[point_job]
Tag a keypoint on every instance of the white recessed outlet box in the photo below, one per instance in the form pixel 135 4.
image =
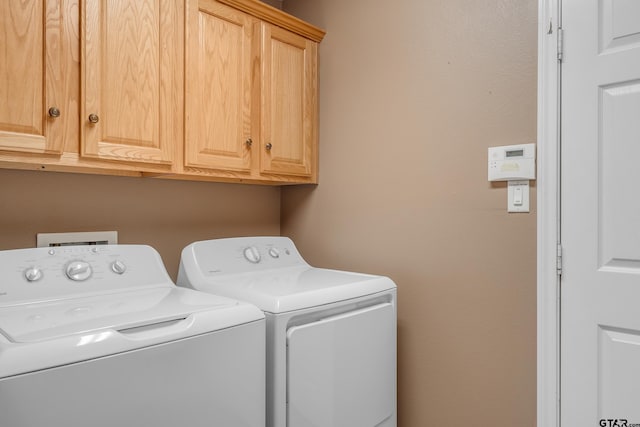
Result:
pixel 80 238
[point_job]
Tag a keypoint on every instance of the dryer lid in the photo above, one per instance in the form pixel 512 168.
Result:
pixel 287 289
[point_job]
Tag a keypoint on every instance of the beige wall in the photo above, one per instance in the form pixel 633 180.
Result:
pixel 274 3
pixel 412 93
pixel 164 214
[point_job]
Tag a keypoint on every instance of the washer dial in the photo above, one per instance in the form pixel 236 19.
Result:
pixel 118 267
pixel 33 274
pixel 78 271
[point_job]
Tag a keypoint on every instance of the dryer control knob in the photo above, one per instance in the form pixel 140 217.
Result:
pixel 274 253
pixel 118 267
pixel 252 255
pixel 78 271
pixel 33 274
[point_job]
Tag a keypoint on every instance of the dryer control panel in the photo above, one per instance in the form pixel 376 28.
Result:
pixel 41 274
pixel 243 254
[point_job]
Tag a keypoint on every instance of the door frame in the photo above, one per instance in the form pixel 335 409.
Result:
pixel 548 219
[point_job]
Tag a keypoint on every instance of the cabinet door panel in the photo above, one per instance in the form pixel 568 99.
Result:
pixel 220 91
pixel 30 63
pixel 289 80
pixel 129 79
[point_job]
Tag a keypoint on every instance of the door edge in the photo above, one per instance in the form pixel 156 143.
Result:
pixel 548 219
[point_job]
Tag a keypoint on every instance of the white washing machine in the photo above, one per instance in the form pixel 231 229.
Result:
pixel 331 335
pixel 99 336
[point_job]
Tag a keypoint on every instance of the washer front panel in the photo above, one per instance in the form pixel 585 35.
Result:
pixel 214 379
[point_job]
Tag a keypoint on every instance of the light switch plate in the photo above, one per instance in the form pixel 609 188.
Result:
pixel 513 187
pixel 81 238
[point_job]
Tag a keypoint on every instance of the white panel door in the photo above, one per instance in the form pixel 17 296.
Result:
pixel 341 370
pixel 600 309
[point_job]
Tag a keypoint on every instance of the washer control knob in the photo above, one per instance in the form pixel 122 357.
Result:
pixel 118 267
pixel 274 253
pixel 252 255
pixel 78 271
pixel 33 274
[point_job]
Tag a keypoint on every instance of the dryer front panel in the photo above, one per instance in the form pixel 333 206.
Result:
pixel 341 369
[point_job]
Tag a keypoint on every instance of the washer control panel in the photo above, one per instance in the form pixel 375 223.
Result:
pixel 38 274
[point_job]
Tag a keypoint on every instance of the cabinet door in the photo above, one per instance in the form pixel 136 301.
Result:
pixel 30 63
pixel 289 103
pixel 131 79
pixel 220 93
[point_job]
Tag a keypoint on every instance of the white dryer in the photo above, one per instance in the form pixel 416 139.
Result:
pixel 331 335
pixel 99 336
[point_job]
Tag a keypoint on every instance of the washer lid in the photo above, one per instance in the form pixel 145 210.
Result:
pixel 121 311
pixel 48 334
pixel 286 289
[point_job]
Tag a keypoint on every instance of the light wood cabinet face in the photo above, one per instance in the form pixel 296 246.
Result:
pixel 184 89
pixel 289 88
pixel 29 67
pixel 221 51
pixel 131 79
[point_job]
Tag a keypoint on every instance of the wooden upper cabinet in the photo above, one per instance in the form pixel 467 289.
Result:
pixel 221 55
pixel 131 80
pixel 251 92
pixel 289 103
pixel 190 89
pixel 30 66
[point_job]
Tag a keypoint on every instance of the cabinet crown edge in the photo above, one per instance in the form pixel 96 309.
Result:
pixel 277 17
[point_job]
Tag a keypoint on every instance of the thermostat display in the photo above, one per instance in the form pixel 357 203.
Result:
pixel 512 162
pixel 515 153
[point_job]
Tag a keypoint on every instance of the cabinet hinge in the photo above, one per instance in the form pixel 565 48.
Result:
pixel 559 259
pixel 560 44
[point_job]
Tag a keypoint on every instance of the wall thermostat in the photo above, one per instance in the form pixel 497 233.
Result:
pixel 512 162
